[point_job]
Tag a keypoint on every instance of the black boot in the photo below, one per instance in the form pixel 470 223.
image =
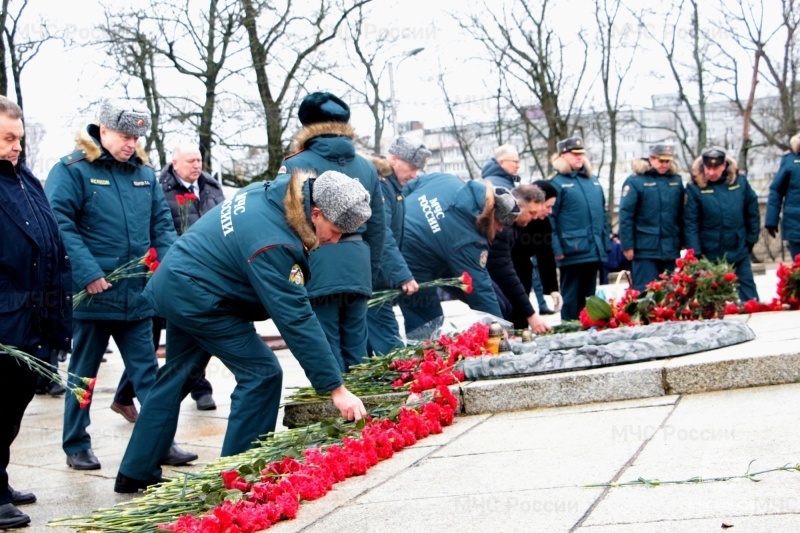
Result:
pixel 10 517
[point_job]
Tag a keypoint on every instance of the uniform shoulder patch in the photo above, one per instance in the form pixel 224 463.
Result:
pixel 296 275
pixel 484 257
pixel 625 190
pixel 74 157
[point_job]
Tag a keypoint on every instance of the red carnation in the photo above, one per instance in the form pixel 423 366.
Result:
pixel 729 276
pixel 181 199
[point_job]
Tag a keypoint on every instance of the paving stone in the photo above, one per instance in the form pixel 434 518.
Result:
pixel 533 511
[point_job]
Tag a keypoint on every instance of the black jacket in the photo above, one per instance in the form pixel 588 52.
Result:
pixel 536 239
pixel 502 271
pixel 210 196
pixel 35 276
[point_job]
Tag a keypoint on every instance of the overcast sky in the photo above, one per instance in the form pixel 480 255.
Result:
pixel 60 82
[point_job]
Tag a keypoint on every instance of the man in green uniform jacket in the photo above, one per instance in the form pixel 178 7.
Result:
pixel 245 260
pixel 784 194
pixel 580 229
pixel 406 158
pixel 110 211
pixel 339 295
pixel 651 215
pixel 721 216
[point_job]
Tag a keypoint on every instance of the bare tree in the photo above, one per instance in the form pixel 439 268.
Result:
pixel 459 131
pixel 614 66
pixel 3 66
pixel 367 85
pixel 531 55
pixel 292 35
pixel 778 50
pixel 689 77
pixel 211 42
pixel 22 49
pixel 132 44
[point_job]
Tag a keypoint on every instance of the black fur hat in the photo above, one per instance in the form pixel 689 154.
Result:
pixel 322 107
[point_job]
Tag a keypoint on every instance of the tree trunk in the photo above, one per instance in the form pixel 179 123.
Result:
pixel 272 109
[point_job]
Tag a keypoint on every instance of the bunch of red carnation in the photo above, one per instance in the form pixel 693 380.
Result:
pixel 433 370
pixel 150 260
pixel 789 284
pixel 277 492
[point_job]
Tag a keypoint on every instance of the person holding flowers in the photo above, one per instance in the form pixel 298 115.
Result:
pixel 449 225
pixel 35 295
pixel 405 159
pixel 721 217
pixel 246 261
pixel 110 211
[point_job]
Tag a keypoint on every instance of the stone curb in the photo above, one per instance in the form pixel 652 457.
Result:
pixel 773 358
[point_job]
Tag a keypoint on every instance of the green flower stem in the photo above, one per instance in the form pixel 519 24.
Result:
pixel 46 370
pixel 197 493
pixel 697 479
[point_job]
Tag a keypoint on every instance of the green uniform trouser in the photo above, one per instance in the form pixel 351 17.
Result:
pixel 343 318
pixel 135 342
pixel 383 330
pixel 254 402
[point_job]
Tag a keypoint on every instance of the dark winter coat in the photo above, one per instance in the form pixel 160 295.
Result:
pixel 502 271
pixel 580 229
pixel 248 258
pixel 721 219
pixel 441 239
pixel 651 213
pixel 35 278
pixel 329 146
pixel 109 213
pixel 784 192
pixel 535 239
pixel 493 172
pixel 210 196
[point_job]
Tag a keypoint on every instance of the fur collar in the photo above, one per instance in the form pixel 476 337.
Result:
pixel 700 178
pixel 794 143
pixel 484 222
pixel 562 167
pixel 641 166
pixel 381 165
pixel 300 139
pixel 85 141
pixel 294 208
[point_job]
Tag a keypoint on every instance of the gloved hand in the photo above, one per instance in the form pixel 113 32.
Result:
pixel 558 301
pixel 772 230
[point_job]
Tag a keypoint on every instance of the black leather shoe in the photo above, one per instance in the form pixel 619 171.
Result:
pixel 546 311
pixel 206 403
pixel 177 457
pixel 55 390
pixel 10 517
pixel 83 460
pixel 21 498
pixel 128 485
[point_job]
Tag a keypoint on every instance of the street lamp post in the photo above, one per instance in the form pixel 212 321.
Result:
pixel 392 95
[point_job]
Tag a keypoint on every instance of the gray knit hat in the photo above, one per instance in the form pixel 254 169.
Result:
pixel 124 118
pixel 342 199
pixel 506 209
pixel 410 151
